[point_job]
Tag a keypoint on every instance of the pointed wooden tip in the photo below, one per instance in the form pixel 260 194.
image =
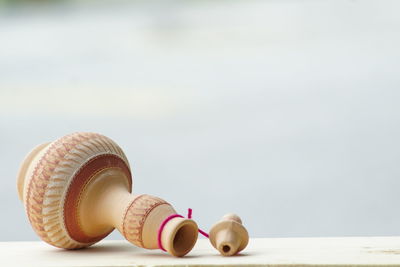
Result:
pixel 229 236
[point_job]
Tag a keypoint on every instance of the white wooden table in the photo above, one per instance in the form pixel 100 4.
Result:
pixel 354 251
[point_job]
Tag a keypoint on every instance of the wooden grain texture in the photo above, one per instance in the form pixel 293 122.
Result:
pixel 348 251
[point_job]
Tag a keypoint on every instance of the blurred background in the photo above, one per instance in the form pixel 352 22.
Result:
pixel 285 112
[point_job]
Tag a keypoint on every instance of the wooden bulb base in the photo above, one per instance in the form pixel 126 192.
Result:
pixel 77 189
pixel 229 236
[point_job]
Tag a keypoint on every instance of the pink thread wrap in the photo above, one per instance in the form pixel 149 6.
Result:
pixel 160 230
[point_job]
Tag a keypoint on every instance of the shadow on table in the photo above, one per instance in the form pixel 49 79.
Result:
pixel 110 248
pixel 164 255
pixel 189 256
pixel 101 248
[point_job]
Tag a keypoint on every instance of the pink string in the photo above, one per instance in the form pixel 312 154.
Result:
pixel 190 217
pixel 170 218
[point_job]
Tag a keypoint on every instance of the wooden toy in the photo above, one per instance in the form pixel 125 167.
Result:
pixel 77 189
pixel 229 236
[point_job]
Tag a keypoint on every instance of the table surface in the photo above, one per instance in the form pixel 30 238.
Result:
pixel 341 251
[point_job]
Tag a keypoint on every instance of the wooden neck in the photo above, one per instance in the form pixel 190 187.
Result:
pixel 103 202
pixel 107 203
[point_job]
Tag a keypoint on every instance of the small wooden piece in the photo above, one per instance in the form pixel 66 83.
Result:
pixel 229 236
pixel 77 189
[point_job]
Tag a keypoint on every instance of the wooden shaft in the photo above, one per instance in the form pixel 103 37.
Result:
pixel 106 203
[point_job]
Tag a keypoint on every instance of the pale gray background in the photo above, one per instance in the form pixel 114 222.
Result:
pixel 285 112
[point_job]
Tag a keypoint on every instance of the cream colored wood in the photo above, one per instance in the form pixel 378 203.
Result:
pixel 153 221
pixel 179 236
pixel 229 236
pixel 26 169
pixel 227 242
pixel 104 202
pixel 76 190
pixel 48 172
pixel 290 252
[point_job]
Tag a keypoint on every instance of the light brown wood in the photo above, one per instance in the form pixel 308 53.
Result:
pixel 77 189
pixel 271 252
pixel 229 236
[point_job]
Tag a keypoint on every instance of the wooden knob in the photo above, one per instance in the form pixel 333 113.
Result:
pixel 77 189
pixel 229 236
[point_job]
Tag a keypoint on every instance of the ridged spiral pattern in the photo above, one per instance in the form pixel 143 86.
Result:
pixel 50 181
